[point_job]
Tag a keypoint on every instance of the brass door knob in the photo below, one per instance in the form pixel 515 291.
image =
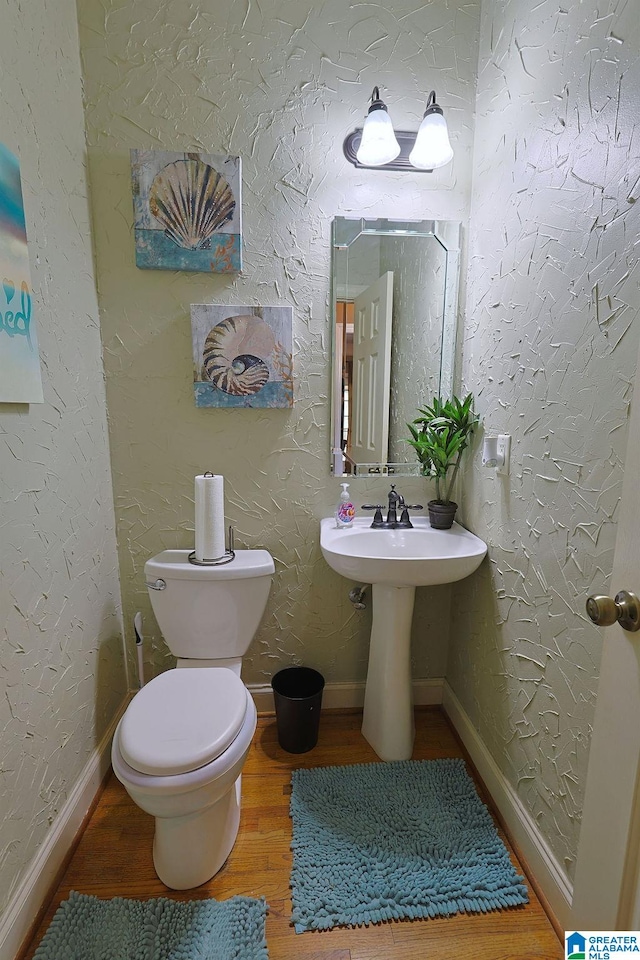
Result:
pixel 623 609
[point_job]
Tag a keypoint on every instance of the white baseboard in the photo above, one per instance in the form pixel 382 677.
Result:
pixel 36 884
pixel 341 696
pixel 550 876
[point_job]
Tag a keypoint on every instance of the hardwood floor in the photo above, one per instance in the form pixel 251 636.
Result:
pixel 113 858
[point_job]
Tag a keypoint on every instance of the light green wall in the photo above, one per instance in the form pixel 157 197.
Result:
pixel 549 350
pixel 61 663
pixel 280 84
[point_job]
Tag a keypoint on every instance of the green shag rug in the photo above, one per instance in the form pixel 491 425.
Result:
pixel 391 841
pixel 86 928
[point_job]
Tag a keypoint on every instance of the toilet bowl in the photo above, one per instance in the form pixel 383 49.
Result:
pixel 180 747
pixel 197 811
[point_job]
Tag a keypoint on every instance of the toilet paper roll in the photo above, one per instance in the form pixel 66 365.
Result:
pixel 209 517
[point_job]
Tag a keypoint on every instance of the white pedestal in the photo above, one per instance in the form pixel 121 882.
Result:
pixel 387 722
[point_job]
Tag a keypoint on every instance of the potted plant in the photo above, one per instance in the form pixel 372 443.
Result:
pixel 439 436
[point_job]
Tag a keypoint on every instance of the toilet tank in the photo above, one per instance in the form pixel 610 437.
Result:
pixel 209 612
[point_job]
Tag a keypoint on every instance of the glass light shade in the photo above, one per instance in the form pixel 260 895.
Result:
pixel 432 148
pixel 378 144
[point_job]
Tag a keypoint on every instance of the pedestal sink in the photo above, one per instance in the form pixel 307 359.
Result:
pixel 395 562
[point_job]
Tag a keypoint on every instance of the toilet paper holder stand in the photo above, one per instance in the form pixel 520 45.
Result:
pixel 226 557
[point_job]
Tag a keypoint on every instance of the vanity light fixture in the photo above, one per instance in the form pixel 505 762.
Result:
pixel 378 144
pixel 378 147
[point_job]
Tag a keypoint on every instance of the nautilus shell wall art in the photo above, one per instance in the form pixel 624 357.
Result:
pixel 242 356
pixel 234 355
pixel 187 211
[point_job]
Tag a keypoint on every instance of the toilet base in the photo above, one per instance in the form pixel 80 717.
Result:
pixel 189 850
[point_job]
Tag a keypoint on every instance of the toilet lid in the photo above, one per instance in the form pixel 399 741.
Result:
pixel 182 720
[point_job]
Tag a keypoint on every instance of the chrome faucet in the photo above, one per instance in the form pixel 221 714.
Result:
pixel 395 503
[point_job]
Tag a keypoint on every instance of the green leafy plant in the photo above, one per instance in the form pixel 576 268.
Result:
pixel 439 436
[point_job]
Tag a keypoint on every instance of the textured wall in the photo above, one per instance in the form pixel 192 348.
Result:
pixel 61 665
pixel 280 84
pixel 549 350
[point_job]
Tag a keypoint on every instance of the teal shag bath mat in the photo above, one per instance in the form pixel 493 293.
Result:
pixel 86 928
pixel 392 841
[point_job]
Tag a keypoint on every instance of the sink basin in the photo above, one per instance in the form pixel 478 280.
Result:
pixel 419 557
pixel 395 562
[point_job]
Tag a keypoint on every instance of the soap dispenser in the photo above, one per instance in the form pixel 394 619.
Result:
pixel 345 511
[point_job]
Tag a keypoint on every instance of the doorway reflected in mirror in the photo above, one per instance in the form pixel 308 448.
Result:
pixel 395 297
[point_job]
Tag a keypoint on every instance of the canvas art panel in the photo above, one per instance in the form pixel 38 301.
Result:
pixel 242 356
pixel 187 211
pixel 20 379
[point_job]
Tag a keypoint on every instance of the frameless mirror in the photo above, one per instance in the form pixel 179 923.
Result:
pixel 395 301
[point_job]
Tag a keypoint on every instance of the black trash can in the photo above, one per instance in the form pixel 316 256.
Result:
pixel 297 692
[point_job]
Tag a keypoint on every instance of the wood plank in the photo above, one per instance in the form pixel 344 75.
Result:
pixel 113 858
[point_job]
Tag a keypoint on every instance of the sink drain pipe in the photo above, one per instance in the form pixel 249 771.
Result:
pixel 356 595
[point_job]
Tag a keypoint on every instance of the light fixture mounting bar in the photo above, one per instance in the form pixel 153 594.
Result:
pixel 406 139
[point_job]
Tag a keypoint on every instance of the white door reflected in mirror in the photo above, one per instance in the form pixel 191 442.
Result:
pixel 368 430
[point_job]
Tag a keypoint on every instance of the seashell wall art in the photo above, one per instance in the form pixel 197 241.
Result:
pixel 242 356
pixel 187 211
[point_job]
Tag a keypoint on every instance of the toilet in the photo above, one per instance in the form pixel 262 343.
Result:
pixel 180 747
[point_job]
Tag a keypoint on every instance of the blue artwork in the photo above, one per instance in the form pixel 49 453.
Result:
pixel 20 380
pixel 187 211
pixel 242 356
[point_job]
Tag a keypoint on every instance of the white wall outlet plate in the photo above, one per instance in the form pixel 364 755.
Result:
pixel 504 454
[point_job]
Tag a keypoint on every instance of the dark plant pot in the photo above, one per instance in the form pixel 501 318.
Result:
pixel 441 514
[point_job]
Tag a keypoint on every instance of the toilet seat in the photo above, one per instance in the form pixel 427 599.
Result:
pixel 182 720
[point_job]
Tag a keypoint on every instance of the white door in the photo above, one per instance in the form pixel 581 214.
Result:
pixel 606 891
pixel 371 372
